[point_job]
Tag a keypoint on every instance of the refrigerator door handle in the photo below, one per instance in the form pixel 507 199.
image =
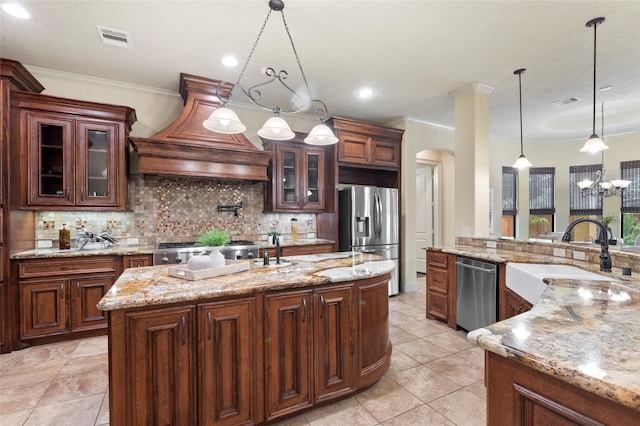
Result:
pixel 377 220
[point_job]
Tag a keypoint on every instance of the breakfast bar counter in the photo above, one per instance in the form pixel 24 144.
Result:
pixel 250 347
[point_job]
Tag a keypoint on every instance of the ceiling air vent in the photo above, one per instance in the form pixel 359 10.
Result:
pixel 566 101
pixel 114 37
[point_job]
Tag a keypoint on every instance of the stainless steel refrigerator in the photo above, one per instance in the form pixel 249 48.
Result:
pixel 368 221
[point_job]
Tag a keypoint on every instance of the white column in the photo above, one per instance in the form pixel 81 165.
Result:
pixel 472 159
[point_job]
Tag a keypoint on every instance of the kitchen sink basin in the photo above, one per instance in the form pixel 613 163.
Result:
pixel 526 279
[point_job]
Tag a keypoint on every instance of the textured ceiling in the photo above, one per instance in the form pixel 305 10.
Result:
pixel 413 53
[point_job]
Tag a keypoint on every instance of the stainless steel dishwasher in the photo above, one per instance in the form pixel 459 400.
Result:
pixel 476 297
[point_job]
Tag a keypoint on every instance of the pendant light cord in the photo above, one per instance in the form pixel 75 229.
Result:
pixel 520 86
pixel 595 28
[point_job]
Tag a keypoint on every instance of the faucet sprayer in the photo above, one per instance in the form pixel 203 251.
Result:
pixel 605 258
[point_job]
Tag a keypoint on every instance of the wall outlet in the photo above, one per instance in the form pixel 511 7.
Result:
pixel 465 232
pixel 491 244
pixel 132 241
pixel 559 252
pixel 579 255
pixel 45 244
pixel 311 235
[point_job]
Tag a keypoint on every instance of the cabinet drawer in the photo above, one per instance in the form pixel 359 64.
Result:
pixel 49 267
pixel 437 259
pixel 437 305
pixel 437 280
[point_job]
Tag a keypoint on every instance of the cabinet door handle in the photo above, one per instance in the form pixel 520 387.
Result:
pixel 61 291
pixel 323 305
pixel 210 325
pixel 68 193
pixel 82 193
pixel 304 305
pixel 78 289
pixel 184 330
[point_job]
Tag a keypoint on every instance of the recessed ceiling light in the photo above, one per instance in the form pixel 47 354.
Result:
pixel 230 61
pixel 605 88
pixel 16 10
pixel 365 93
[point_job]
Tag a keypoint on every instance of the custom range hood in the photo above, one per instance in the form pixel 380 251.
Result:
pixel 186 148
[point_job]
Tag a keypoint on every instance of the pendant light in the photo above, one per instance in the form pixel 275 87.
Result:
pixel 594 143
pixel 224 120
pixel 521 162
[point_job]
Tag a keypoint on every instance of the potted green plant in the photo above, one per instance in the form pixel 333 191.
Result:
pixel 214 239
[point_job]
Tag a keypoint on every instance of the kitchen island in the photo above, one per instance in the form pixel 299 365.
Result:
pixel 571 359
pixel 252 347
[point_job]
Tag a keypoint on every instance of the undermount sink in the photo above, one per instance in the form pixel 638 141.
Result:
pixel 526 279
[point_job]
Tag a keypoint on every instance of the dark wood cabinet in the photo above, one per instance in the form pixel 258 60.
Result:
pixel 367 145
pixel 298 178
pixel 520 395
pixel 299 250
pixel 288 352
pixel 514 304
pixel 44 307
pixel 161 362
pixel 333 330
pixel 441 287
pixel 59 296
pixel 76 154
pixel 137 261
pixel 228 357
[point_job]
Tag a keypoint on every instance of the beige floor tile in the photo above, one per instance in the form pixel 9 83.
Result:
pixel 398 335
pixel 423 415
pixel 21 398
pixel 300 420
pixel 396 318
pixel 348 412
pixel 77 412
pixel 425 383
pixel 421 350
pixel 78 364
pixel 38 355
pixel 75 386
pixel 423 327
pixel 456 369
pixel 387 399
pixel 15 419
pixel 478 389
pixel 92 346
pixel 103 415
pixel 29 374
pixel 474 355
pixel 451 341
pixel 400 362
pixel 462 408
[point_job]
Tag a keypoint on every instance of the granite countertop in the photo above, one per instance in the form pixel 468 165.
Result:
pixel 153 285
pixel 585 333
pixel 115 250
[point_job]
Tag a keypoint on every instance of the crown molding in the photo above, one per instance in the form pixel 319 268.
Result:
pixel 476 86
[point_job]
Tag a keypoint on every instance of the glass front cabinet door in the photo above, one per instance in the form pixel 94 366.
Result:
pixel 300 178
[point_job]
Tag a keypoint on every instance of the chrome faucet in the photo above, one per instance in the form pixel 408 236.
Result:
pixel 605 258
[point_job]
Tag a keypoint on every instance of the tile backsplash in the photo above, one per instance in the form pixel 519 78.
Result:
pixel 179 209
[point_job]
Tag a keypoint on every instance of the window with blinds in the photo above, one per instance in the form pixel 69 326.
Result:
pixel 630 170
pixel 542 190
pixel 579 205
pixel 509 191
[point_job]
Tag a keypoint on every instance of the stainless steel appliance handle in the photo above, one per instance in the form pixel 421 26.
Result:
pixel 377 219
pixel 476 268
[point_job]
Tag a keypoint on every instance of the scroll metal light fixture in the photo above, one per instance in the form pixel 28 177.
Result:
pixel 601 186
pixel 522 162
pixel 224 120
pixel 594 143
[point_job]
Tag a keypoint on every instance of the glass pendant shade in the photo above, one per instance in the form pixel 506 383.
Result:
pixel 584 184
pixel 276 129
pixel 321 135
pixel 620 183
pixel 594 144
pixel 522 162
pixel 223 120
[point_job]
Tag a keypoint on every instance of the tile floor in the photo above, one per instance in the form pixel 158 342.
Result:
pixel 435 378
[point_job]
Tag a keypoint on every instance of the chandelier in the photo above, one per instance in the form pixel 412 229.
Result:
pixel 224 120
pixel 601 186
